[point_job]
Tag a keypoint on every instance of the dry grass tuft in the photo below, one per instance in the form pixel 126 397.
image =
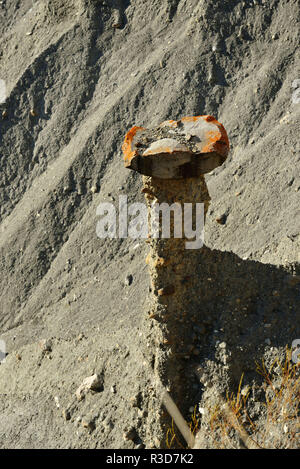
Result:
pixel 229 424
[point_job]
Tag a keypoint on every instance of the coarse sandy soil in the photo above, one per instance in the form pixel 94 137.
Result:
pixel 78 75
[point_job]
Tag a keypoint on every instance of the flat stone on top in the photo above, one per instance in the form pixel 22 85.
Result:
pixel 177 149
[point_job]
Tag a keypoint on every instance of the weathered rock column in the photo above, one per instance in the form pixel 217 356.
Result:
pixel 170 262
pixel 173 159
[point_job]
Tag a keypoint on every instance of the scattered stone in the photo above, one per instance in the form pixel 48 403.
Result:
pixel 108 425
pixel 94 189
pixel 78 420
pixel 128 280
pixel 66 414
pixel 46 345
pixel 134 400
pixel 118 22
pixel 91 383
pixel 222 219
pixel 142 413
pixel 129 435
pixel 88 423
